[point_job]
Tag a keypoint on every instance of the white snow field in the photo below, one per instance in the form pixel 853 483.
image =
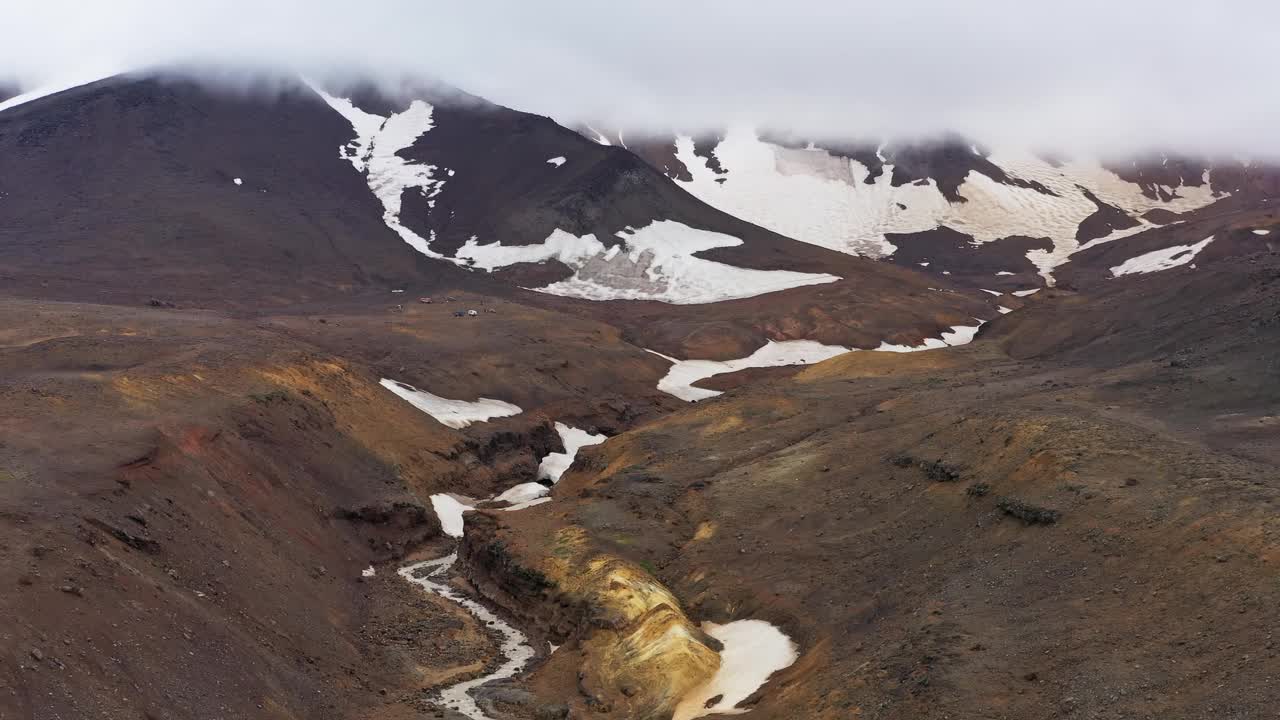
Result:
pixel 655 262
pixel 456 414
pixel 819 198
pixel 1162 259
pixel 555 464
pixel 515 650
pixel 753 651
pixel 557 161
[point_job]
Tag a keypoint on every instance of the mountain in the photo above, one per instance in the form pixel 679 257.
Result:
pixel 374 401
pixel 993 219
pixel 233 198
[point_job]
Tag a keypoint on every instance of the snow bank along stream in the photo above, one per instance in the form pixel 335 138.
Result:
pixel 753 651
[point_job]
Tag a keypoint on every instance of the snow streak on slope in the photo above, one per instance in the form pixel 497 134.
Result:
pixel 679 380
pixel 456 414
pixel 1162 259
pixel 823 199
pixel 61 85
pixel 374 151
pixel 655 262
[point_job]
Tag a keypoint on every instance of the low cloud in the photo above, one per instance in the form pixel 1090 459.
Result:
pixel 1084 74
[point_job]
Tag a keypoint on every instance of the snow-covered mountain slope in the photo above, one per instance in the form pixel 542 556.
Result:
pixel 654 262
pixel 1005 219
pixel 833 200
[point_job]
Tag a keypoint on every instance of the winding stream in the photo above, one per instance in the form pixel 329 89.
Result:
pixel 515 646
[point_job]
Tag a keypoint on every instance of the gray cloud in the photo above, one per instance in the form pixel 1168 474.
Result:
pixel 1087 73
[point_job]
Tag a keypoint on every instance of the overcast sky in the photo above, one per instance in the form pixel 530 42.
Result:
pixel 1066 73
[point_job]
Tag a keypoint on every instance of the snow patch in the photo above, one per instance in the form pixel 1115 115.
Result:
pixel 1026 293
pixel 557 161
pixel 523 493
pixel 456 414
pixel 683 374
pixel 753 651
pixel 957 335
pixel 238 181
pixel 375 152
pixel 528 504
pixel 1261 232
pixel 1162 259
pixel 1004 310
pixel 997 293
pixel 554 465
pixel 368 572
pixel 655 262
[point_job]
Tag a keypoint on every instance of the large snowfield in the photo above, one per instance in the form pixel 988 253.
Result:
pixel 823 199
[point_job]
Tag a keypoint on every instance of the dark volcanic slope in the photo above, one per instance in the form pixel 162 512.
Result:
pixel 1234 233
pixel 126 186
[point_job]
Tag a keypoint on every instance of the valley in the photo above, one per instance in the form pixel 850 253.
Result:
pixel 338 402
